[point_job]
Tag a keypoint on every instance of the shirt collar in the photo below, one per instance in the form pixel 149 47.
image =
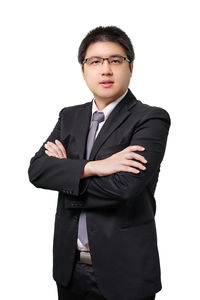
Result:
pixel 108 109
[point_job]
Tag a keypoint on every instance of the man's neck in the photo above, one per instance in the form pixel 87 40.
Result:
pixel 101 103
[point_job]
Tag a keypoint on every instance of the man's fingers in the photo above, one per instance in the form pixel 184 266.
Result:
pixel 51 150
pixel 133 155
pixel 130 150
pixel 48 153
pixel 136 148
pixel 61 147
pixel 134 164
pixel 55 151
pixel 129 169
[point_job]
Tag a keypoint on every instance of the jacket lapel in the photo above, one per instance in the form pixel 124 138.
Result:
pixel 117 116
pixel 82 127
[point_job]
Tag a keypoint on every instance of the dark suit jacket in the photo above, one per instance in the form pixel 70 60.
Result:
pixel 120 208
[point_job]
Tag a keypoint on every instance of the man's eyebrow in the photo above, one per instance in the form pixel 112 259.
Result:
pixel 116 55
pixel 113 55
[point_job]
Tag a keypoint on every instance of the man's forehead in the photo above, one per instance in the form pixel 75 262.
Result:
pixel 105 49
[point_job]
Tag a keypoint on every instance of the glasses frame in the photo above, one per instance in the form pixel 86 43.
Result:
pixel 106 58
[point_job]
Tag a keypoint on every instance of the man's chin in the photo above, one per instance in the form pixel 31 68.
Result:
pixel 108 95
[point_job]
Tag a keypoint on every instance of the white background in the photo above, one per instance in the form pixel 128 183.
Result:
pixel 39 75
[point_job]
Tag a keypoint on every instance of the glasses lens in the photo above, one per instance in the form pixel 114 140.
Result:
pixel 115 60
pixel 94 60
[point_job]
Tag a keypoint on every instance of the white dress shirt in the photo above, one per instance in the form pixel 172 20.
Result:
pixel 107 111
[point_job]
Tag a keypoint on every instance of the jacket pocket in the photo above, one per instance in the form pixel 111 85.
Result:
pixel 133 226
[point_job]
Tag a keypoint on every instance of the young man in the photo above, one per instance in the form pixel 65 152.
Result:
pixel 104 158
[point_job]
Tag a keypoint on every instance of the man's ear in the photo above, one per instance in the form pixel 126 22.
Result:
pixel 131 67
pixel 82 70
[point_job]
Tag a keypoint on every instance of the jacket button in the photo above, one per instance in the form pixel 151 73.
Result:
pixel 76 218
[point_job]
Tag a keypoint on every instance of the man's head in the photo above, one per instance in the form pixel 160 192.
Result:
pixel 106 56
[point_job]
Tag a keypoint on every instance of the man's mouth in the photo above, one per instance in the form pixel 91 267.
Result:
pixel 107 83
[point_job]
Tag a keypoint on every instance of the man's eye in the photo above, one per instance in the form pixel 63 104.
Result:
pixel 95 62
pixel 115 61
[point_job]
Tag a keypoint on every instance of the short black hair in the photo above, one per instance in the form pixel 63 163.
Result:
pixel 106 34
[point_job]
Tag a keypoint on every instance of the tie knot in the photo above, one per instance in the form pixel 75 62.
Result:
pixel 98 116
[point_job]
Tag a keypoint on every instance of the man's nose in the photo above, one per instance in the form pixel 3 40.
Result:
pixel 106 68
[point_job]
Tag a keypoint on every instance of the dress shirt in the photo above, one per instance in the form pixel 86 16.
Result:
pixel 107 111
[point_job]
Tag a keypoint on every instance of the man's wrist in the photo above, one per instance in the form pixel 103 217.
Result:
pixel 90 169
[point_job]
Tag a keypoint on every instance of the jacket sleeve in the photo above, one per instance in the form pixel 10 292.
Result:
pixel 151 132
pixel 53 173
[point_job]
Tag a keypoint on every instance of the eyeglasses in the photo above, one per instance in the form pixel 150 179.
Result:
pixel 112 60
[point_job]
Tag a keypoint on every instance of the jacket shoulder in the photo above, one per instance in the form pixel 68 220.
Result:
pixel 73 108
pixel 141 110
pixel 149 111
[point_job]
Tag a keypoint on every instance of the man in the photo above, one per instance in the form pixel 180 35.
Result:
pixel 104 158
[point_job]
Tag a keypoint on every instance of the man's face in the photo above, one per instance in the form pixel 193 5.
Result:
pixel 107 81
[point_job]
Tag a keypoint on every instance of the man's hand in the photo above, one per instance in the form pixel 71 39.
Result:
pixel 55 150
pixel 124 161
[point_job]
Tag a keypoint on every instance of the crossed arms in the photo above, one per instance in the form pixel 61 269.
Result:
pixel 122 176
pixel 126 160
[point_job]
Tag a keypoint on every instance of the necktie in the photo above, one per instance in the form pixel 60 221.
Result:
pixel 97 118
